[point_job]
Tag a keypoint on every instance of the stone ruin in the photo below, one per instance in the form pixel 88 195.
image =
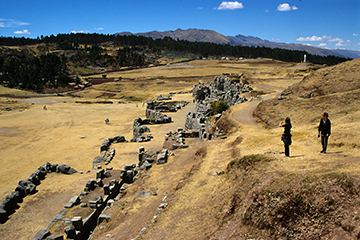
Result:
pixel 154 115
pixel 220 89
pixel 109 184
pixel 157 106
pixel 176 140
pixel 227 88
pixel 162 98
pixel 100 193
pixel 139 130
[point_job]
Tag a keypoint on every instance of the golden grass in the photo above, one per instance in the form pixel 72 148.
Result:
pixel 72 133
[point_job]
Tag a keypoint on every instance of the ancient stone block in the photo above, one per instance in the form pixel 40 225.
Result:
pixel 70 232
pixel 77 223
pixel 75 200
pixel 90 185
pixel 42 234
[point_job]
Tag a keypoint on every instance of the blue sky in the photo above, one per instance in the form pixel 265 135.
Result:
pixel 321 23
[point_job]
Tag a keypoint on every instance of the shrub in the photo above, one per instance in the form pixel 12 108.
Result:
pixel 218 107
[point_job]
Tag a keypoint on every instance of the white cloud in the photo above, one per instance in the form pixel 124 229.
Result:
pixel 309 39
pixel 329 39
pixel 286 7
pixel 336 40
pixel 230 5
pixel 355 34
pixel 200 8
pixel 99 29
pixel 81 31
pixel 11 23
pixel 22 32
pixel 341 44
pixel 266 10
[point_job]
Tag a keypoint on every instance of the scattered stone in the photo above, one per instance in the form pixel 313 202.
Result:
pixel 98 160
pixel 75 200
pixel 42 234
pixel 55 237
pixel 146 165
pixel 103 217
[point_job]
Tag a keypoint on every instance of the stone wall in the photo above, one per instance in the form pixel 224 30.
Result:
pixel 28 187
pixel 227 89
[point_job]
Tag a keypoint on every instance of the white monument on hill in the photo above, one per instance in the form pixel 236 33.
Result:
pixel 304 58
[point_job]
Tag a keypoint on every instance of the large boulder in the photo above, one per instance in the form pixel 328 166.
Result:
pixel 128 174
pixel 90 185
pixel 65 169
pixel 119 139
pixel 25 187
pixel 10 203
pixel 162 157
pixel 105 145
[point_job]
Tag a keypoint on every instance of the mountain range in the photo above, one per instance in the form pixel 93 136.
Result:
pixel 200 35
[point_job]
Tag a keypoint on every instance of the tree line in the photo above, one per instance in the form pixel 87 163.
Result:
pixel 204 49
pixel 50 70
pixel 37 73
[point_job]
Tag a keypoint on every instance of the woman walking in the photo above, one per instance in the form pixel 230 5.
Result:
pixel 325 131
pixel 286 137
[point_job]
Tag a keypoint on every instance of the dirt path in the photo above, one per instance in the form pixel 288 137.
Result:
pixel 245 115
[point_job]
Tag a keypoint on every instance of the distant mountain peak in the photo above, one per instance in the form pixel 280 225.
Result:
pixel 203 35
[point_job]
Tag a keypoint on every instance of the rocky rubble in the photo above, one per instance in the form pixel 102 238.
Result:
pixel 154 115
pixel 101 191
pixel 28 187
pixel 98 194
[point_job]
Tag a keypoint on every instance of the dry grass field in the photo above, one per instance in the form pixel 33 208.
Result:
pixel 240 187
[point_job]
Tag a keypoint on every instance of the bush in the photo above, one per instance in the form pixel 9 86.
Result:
pixel 218 107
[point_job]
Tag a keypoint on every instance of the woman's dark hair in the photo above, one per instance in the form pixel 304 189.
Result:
pixel 326 114
pixel 287 120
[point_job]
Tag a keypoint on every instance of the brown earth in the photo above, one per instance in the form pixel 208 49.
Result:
pixel 240 187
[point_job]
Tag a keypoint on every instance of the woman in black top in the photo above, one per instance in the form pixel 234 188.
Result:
pixel 286 137
pixel 325 130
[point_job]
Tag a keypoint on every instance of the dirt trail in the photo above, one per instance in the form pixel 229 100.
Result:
pixel 245 115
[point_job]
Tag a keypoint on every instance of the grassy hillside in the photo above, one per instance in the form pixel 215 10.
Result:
pixel 239 187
